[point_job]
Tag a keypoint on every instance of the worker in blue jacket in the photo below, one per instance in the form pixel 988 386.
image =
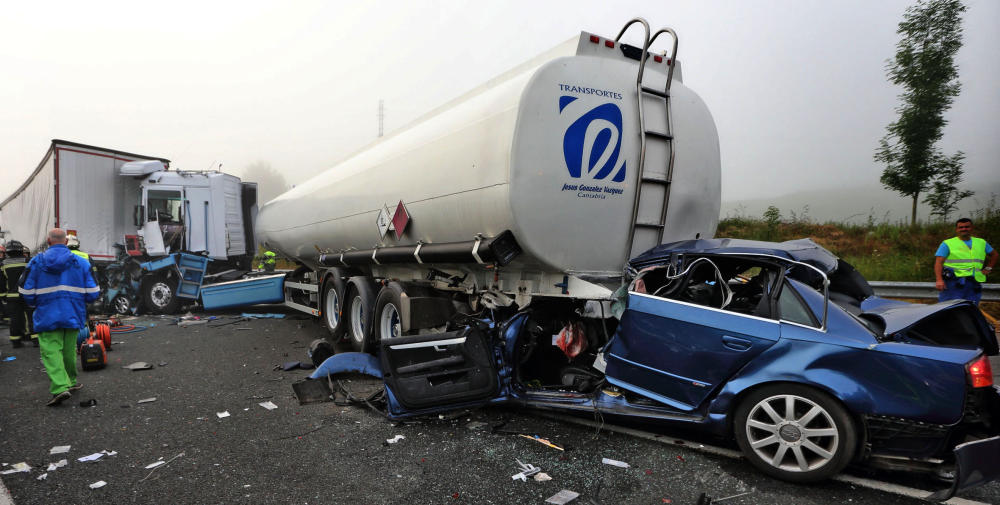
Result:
pixel 59 285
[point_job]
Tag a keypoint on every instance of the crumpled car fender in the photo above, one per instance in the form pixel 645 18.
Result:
pixel 358 362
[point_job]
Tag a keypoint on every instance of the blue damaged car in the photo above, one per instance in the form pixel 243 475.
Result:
pixel 780 346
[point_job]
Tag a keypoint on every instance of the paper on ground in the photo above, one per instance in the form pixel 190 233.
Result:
pixel 17 468
pixel 614 462
pixel 97 455
pixel 269 405
pixel 58 464
pixel 222 414
pixel 42 476
pixel 98 484
pixel 395 439
pixel 59 449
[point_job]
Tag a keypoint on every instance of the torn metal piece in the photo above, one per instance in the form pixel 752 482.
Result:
pixel 562 497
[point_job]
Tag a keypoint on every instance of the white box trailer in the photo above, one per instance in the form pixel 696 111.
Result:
pixel 542 182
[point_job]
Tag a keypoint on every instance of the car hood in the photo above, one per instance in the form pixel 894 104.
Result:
pixel 951 323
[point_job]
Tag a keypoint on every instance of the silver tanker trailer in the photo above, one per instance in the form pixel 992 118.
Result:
pixel 536 186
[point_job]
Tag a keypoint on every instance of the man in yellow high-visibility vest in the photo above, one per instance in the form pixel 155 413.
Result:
pixel 962 264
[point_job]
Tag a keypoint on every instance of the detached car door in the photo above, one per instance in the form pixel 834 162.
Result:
pixel 439 371
pixel 677 352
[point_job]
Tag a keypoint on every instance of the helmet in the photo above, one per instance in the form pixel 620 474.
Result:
pixel 72 242
pixel 15 248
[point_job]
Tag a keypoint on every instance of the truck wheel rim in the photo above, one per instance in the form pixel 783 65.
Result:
pixel 357 321
pixel 792 433
pixel 160 294
pixel 122 305
pixel 389 326
pixel 332 308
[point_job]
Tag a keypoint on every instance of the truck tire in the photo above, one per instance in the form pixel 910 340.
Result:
pixel 159 293
pixel 387 312
pixel 334 291
pixel 359 311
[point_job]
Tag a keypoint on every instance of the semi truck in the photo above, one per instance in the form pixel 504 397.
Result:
pixel 154 234
pixel 537 186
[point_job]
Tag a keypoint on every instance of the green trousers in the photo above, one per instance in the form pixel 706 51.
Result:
pixel 58 350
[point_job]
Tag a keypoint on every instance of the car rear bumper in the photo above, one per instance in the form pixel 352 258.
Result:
pixel 976 463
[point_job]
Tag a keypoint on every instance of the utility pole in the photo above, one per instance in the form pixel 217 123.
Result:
pixel 381 116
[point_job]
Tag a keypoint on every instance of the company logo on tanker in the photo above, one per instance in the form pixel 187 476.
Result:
pixel 592 143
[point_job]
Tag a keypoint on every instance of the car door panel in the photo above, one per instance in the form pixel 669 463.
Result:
pixel 439 369
pixel 678 353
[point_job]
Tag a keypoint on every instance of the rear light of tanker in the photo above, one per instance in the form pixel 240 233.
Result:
pixel 980 372
pixel 609 43
pixel 595 39
pixel 657 58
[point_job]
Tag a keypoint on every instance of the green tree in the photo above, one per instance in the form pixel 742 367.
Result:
pixel 931 34
pixel 944 194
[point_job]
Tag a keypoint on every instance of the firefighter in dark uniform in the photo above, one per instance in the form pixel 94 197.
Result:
pixel 18 312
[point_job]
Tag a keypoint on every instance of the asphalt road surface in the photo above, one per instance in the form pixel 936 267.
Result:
pixel 324 453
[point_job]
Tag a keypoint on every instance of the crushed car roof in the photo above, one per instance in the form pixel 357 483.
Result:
pixel 804 250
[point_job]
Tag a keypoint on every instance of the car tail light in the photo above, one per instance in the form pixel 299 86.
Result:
pixel 980 372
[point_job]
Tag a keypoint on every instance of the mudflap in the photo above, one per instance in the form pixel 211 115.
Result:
pixel 976 463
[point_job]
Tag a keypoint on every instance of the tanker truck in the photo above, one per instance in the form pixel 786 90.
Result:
pixel 534 188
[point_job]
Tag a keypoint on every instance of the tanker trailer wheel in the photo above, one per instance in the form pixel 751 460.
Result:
pixel 388 323
pixel 159 293
pixel 359 309
pixel 334 291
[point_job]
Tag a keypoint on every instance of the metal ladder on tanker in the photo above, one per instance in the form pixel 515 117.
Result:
pixel 652 191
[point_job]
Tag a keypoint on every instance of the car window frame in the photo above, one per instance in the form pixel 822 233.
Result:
pixel 815 323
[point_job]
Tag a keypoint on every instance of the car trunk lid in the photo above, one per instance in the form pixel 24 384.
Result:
pixel 953 323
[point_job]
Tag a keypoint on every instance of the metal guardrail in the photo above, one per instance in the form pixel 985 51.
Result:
pixel 991 292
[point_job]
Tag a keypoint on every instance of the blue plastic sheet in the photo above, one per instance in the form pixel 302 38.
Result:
pixel 359 362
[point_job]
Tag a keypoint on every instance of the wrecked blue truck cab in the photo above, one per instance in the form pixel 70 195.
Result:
pixel 780 346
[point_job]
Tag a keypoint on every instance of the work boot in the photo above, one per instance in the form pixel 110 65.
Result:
pixel 57 399
pixel 16 343
pixel 76 387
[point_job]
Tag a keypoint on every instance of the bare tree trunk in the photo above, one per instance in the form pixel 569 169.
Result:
pixel 913 211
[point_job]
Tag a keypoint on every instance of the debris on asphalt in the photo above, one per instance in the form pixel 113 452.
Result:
pixel 162 363
pixel 97 455
pixel 475 425
pixel 192 322
pixel 527 470
pixel 541 440
pixel 157 467
pixel 542 477
pixel 249 315
pixel 10 358
pixel 395 439
pixel 98 484
pixel 42 476
pixel 292 365
pixel 733 496
pixel 147 400
pixel 312 391
pixel 17 468
pixel 222 414
pixel 58 464
pixel 562 497
pixel 269 405
pixel 59 449
pixel 614 462
pixel 88 403
pixel 155 464
pixel 138 365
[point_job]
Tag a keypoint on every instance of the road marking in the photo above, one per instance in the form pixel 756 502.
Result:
pixel 5 498
pixel 886 487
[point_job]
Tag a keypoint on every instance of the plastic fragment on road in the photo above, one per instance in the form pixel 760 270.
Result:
pixel 58 464
pixel 395 439
pixel 99 484
pixel 614 462
pixel 138 365
pixel 10 358
pixel 42 476
pixel 542 477
pixel 562 497
pixel 527 470
pixel 155 464
pixel 191 323
pixel 59 449
pixel 269 405
pixel 96 456
pixel 541 440
pixel 222 414
pixel 17 468
pixel 147 400
pixel 250 315
pixel 360 362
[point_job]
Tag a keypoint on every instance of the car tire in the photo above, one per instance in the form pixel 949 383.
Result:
pixel 334 291
pixel 812 440
pixel 159 294
pixel 359 310
pixel 121 305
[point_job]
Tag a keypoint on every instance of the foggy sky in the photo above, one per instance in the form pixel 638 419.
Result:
pixel 797 88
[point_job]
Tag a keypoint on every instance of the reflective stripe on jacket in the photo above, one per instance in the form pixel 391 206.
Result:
pixel 58 283
pixel 964 260
pixel 11 269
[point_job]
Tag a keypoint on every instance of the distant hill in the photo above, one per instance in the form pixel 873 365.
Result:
pixel 851 205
